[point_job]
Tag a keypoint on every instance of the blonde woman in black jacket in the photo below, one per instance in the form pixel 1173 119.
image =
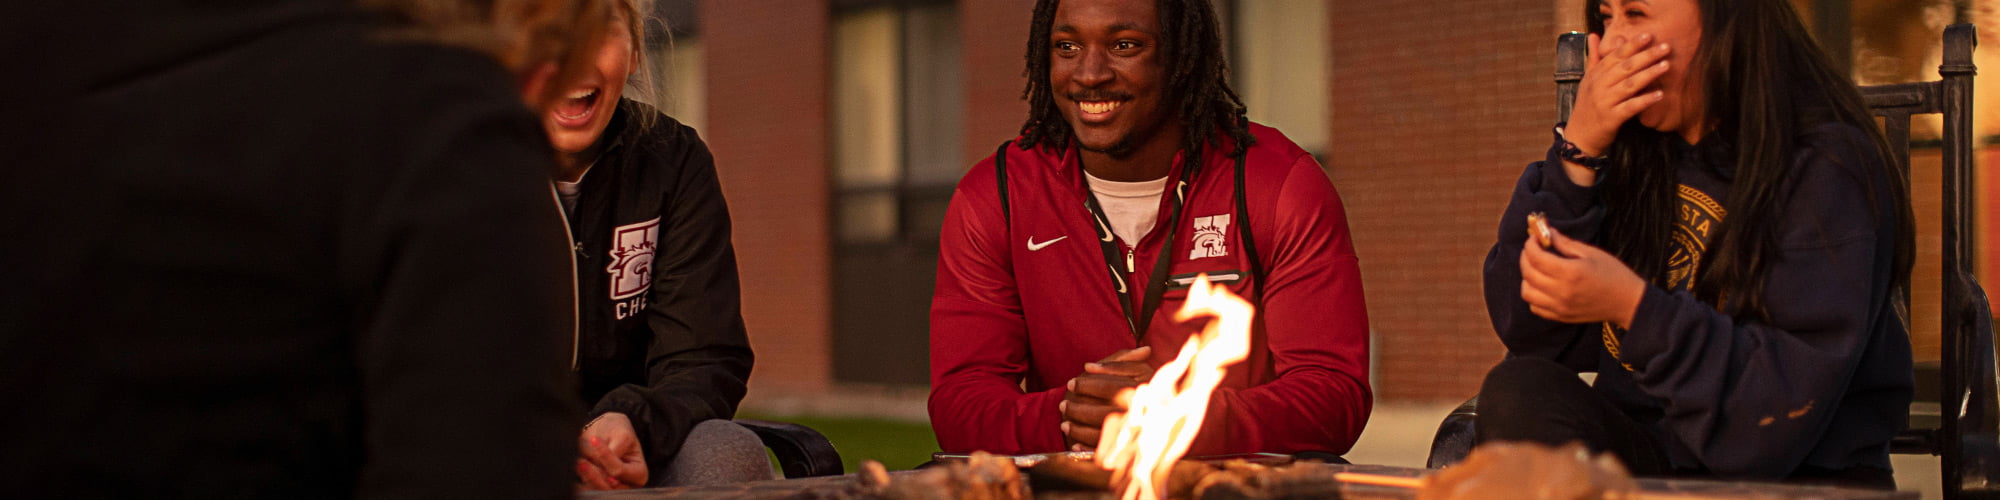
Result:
pixel 662 357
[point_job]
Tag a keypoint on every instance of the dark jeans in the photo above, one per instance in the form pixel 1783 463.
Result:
pixel 1537 400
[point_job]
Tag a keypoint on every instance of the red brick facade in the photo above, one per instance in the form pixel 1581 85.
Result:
pixel 996 35
pixel 767 125
pixel 1437 106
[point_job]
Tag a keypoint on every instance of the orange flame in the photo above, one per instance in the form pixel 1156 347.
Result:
pixel 1163 415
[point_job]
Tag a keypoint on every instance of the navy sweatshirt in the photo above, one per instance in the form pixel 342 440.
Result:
pixel 1826 382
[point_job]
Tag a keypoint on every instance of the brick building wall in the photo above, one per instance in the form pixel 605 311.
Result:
pixel 1437 107
pixel 1454 128
pixel 767 126
pixel 996 34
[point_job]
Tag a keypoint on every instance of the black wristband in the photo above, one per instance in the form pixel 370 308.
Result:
pixel 1571 153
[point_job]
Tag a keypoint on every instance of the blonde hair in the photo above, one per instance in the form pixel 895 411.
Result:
pixel 521 35
pixel 637 14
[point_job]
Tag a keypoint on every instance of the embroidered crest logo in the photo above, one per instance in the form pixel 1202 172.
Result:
pixel 631 266
pixel 1210 237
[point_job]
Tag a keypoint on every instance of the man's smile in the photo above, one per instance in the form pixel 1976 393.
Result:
pixel 1096 108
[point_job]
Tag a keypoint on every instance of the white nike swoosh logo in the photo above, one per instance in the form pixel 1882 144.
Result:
pixel 1036 247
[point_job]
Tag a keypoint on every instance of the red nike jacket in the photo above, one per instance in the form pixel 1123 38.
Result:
pixel 1025 299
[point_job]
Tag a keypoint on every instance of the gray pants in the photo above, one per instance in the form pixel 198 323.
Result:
pixel 719 452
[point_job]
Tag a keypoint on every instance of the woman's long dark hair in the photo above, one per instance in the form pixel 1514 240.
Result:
pixel 1766 83
pixel 1197 87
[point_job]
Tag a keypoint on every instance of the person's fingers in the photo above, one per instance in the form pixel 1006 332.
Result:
pixel 632 459
pixel 1136 370
pixel 593 477
pixel 1637 82
pixel 631 474
pixel 1537 297
pixel 1619 77
pixel 1079 399
pixel 1550 275
pixel 1632 107
pixel 1081 434
pixel 1140 353
pixel 1611 46
pixel 1088 435
pixel 600 455
pixel 1577 250
pixel 1637 58
pixel 1632 45
pixel 1590 58
pixel 1103 387
pixel 1540 281
pixel 1628 86
pixel 1621 57
pixel 1526 263
pixel 1074 396
pixel 1088 414
pixel 626 447
pixel 1535 259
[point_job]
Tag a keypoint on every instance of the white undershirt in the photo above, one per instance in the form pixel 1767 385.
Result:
pixel 1132 207
pixel 570 191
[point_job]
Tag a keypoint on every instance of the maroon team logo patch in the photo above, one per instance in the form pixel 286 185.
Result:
pixel 631 266
pixel 1211 237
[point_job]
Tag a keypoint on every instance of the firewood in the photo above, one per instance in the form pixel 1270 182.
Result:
pixel 1244 481
pixel 1068 474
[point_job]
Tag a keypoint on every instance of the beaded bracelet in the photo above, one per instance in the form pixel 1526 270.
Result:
pixel 1571 153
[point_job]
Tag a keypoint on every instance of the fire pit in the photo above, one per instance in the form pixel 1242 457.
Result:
pixel 1302 479
pixel 1140 456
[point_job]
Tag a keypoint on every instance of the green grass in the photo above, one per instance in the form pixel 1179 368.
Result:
pixel 898 445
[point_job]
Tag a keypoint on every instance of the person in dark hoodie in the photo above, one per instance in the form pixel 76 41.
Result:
pixel 664 358
pixel 1728 250
pixel 279 250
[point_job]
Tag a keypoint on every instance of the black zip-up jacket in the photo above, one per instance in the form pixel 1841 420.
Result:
pixel 660 313
pixel 264 250
pixel 1825 383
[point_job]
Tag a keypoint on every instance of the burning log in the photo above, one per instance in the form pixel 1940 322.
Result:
pixel 1083 475
pixel 981 477
pixel 1068 474
pixel 1246 481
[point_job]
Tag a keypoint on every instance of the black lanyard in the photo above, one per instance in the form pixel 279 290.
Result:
pixel 1108 240
pixel 1119 266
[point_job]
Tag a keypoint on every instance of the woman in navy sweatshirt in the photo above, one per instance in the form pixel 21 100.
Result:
pixel 1729 245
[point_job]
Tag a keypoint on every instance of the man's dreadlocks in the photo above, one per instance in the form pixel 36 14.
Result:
pixel 1197 89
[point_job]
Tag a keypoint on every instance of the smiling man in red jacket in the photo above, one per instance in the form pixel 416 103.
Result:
pixel 1064 255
